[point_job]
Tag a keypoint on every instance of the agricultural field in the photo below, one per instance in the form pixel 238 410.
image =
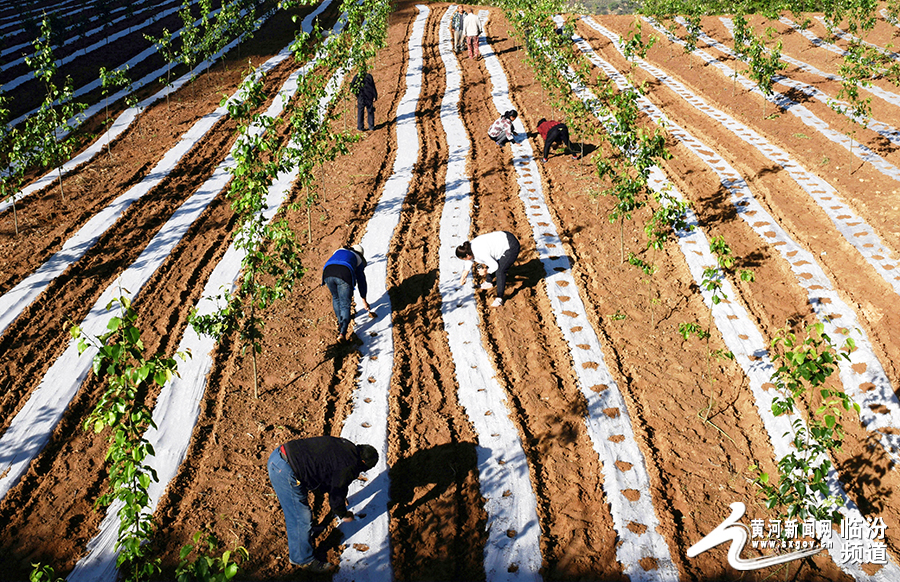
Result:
pixel 595 426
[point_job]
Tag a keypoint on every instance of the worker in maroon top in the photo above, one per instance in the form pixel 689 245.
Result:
pixel 554 132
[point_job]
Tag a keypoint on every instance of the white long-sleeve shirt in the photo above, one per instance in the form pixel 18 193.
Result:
pixel 487 250
pixel 471 25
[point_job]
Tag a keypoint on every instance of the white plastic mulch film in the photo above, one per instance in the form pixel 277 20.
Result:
pixel 367 540
pixel 863 376
pixel 608 422
pixel 512 551
pixel 732 320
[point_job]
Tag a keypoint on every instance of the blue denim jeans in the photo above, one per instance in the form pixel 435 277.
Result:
pixel 341 294
pixel 293 498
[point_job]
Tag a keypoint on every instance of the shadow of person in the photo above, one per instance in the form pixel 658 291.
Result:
pixel 522 276
pixel 436 501
pixel 583 149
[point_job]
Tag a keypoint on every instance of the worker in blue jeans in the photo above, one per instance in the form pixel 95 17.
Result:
pixel 326 464
pixel 342 272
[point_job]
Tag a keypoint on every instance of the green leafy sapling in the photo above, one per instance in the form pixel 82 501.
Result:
pixel 110 81
pixel 802 377
pixel 15 144
pixel 120 359
pixel 164 47
pixel 45 128
pixel 271 263
pixel 206 566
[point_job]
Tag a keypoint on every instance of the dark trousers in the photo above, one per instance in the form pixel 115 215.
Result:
pixel 557 134
pixel 361 107
pixel 505 262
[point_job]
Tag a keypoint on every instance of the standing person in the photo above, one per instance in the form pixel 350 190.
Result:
pixel 366 95
pixel 554 132
pixel 495 252
pixel 456 28
pixel 326 464
pixel 472 29
pixel 342 272
pixel 501 131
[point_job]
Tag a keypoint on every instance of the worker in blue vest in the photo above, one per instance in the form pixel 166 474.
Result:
pixel 342 272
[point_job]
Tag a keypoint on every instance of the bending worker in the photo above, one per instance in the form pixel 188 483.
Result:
pixel 495 252
pixel 326 464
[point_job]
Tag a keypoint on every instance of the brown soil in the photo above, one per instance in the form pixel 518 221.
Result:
pixel 438 522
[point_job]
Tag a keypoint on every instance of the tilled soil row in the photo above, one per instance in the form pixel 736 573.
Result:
pixel 532 358
pixel 434 476
pixel 306 379
pixel 78 288
pixel 165 304
pixel 45 222
pixel 75 43
pixel 85 68
pixel 774 298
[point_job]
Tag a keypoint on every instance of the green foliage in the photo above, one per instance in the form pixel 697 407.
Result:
pixel 803 369
pixel 553 59
pixel 271 262
pixel 164 47
pixel 765 64
pixel 41 573
pixel 635 47
pixel 191 37
pixel 112 80
pixel 14 144
pixel 129 373
pixel 46 145
pixel 206 567
pixel 857 70
pixel 688 329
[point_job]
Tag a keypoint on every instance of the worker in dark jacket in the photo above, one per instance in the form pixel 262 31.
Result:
pixel 554 132
pixel 342 272
pixel 326 464
pixel 366 95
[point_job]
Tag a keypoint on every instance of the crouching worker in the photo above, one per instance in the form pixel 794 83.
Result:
pixel 326 464
pixel 501 131
pixel 495 252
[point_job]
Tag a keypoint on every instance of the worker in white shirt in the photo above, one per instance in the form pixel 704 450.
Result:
pixel 495 252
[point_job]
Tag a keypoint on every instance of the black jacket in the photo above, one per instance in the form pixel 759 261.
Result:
pixel 365 92
pixel 327 464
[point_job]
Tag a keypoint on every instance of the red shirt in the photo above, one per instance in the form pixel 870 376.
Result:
pixel 546 127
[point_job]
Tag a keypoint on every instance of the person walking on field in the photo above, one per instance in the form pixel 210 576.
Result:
pixel 366 95
pixel 501 131
pixel 456 28
pixel 472 29
pixel 326 464
pixel 342 272
pixel 554 132
pixel 495 252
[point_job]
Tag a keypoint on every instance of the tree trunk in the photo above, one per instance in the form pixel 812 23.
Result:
pixel 253 363
pixel 62 194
